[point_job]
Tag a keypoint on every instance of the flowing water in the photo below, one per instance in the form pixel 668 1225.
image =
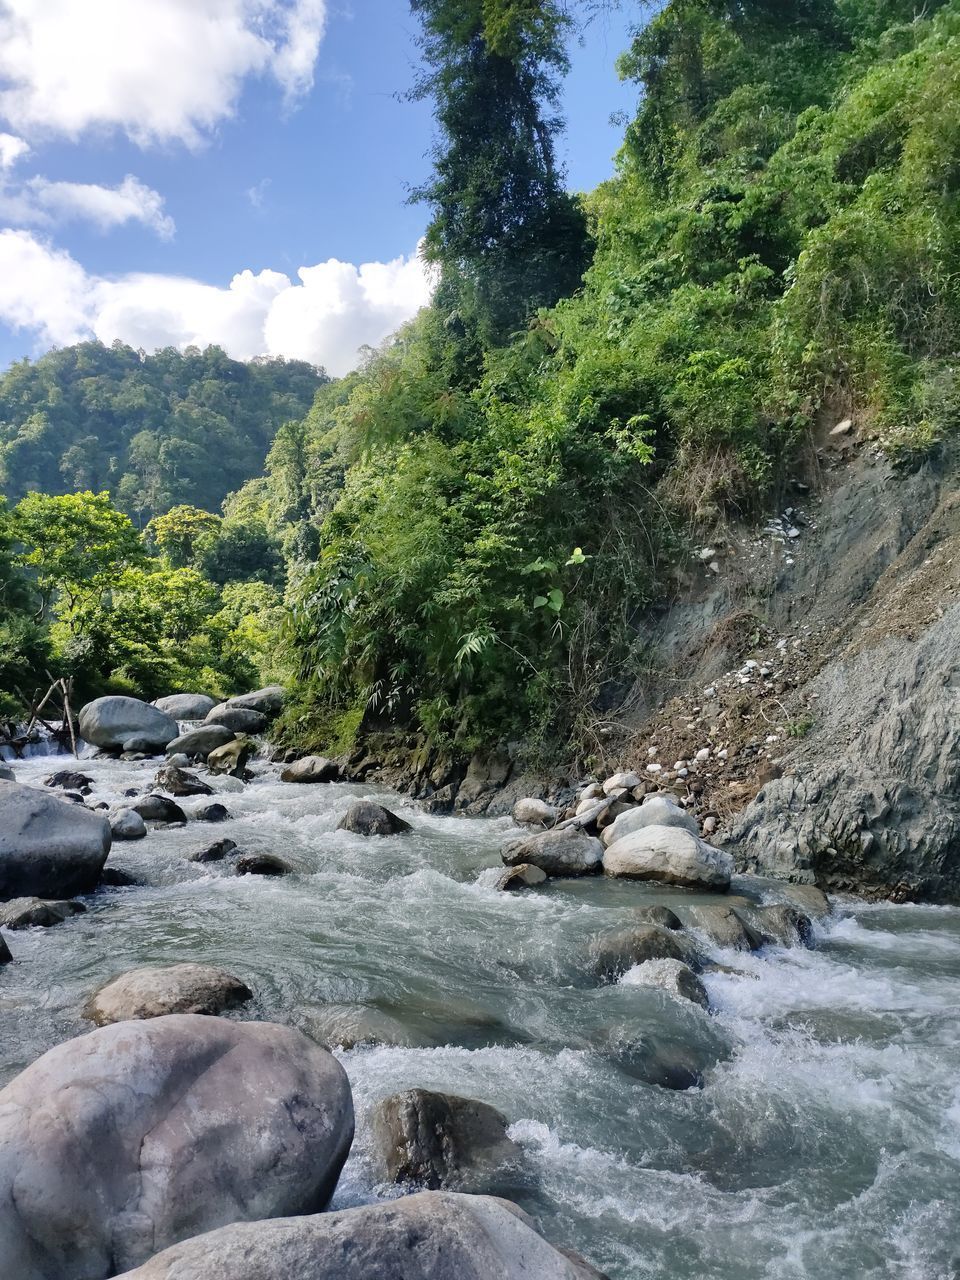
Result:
pixel 824 1143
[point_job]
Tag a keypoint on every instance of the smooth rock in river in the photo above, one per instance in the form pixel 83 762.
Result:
pixel 671 855
pixel 367 818
pixel 198 743
pixel 6 773
pixel 722 926
pixel 442 1141
pixel 69 780
pixel 214 852
pixel 212 813
pixel 268 701
pixel 127 824
pixel 158 809
pixel 781 925
pixel 311 769
pixel 48 847
pixel 262 864
pixel 119 1143
pixel 813 902
pixel 186 706
pixel 156 990
pixel 5 954
pixel 567 852
pixel 672 976
pixel 656 811
pixel 140 747
pixel 344 1026
pixel 435 1235
pixel 180 782
pixel 535 813
pixel 614 953
pixel 112 721
pixel 237 719
pixel 231 759
pixel 659 915
pixel 29 913
pixel 523 876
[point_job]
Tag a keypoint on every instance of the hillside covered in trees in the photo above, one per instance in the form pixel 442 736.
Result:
pixel 152 430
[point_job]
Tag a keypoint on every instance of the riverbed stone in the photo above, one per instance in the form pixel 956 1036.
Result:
pixel 621 782
pixel 212 813
pixel 139 747
pixel 615 952
pixel 434 1235
pixel 156 990
pixel 670 855
pixel 48 847
pixel 723 926
pixel 441 1141
pixel 535 813
pixel 813 902
pixel 523 876
pixel 40 913
pixel 672 976
pixel 186 706
pixel 112 721
pixel 155 808
pixel 344 1026
pixel 70 780
pixel 180 782
pixel 231 760
pixel 778 924
pixel 127 824
pixel 311 769
pixel 367 818
pixel 565 852
pixel 268 701
pixel 5 954
pixel 656 811
pixel 6 773
pixel 198 743
pixel 659 915
pixel 238 719
pixel 214 852
pixel 124 1141
pixel 262 864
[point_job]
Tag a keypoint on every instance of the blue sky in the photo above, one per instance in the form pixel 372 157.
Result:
pixel 154 151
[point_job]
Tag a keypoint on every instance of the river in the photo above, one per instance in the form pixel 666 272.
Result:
pixel 824 1144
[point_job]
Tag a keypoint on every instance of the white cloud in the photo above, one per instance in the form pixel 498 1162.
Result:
pixel 11 149
pixel 326 318
pixel 159 70
pixel 39 202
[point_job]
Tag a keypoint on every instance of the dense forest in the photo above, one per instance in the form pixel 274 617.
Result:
pixel 152 430
pixel 466 528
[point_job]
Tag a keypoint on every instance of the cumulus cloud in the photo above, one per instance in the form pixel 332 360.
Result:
pixel 159 70
pixel 39 202
pixel 334 310
pixel 11 149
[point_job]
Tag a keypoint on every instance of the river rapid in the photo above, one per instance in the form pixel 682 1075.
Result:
pixel 824 1143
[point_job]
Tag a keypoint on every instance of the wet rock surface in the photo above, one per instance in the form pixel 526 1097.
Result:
pixel 49 848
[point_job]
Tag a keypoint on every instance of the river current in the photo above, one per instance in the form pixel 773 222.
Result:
pixel 823 1145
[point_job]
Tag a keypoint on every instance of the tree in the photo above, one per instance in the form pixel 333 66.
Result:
pixel 182 535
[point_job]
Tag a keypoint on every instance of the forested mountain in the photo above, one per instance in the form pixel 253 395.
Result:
pixel 153 430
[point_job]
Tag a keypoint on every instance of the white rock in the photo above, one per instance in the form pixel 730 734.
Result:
pixel 670 855
pixel 653 751
pixel 534 812
pixel 654 768
pixel 126 824
pixel 656 811
pixel 703 755
pixel 672 976
pixel 621 782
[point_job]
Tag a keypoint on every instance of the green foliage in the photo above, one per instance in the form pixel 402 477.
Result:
pixel 151 430
pixel 182 535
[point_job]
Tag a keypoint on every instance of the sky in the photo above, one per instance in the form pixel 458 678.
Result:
pixel 231 171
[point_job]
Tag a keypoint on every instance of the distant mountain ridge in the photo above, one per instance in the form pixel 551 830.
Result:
pixel 154 430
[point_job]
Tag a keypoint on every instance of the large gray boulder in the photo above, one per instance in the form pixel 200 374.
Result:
pixel 186 706
pixel 311 769
pixel 614 953
pixel 201 741
pixel 122 1142
pixel 672 976
pixel 239 719
pixel 656 811
pixel 38 913
pixel 268 701
pixel 367 818
pixel 180 782
pixel 563 852
pixel 722 925
pixel 157 990
pixel 436 1235
pixel 112 721
pixel 49 848
pixel 670 855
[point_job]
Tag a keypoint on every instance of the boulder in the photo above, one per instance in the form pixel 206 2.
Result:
pixel 198 743
pixel 124 1141
pixel 231 759
pixel 69 780
pixel 114 878
pixel 179 760
pixel 614 953
pixel 311 769
pixel 621 782
pixel 48 847
pixel 524 876
pixel 5 955
pixel 722 926
pixel 214 852
pixel 779 925
pixel 435 1235
pixel 186 706
pixel 237 719
pixel 29 913
pixel 262 864
pixel 535 813
pixel 127 824
pixel 671 855
pixel 565 852
pixel 441 1141
pixel 268 701
pixel 153 991
pixel 344 1026
pixel 656 811
pixel 158 809
pixel 672 976
pixel 180 782
pixel 367 818
pixel 113 721
pixel 6 773
pixel 661 916
pixel 140 746
pixel 807 898
pixel 212 813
